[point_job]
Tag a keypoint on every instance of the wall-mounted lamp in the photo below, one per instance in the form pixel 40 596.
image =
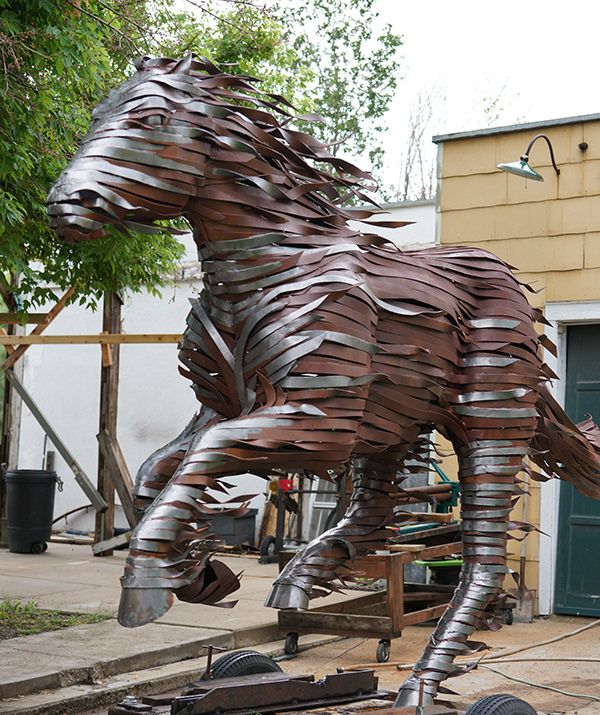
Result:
pixel 522 168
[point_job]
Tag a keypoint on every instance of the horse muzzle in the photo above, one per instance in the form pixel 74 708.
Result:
pixel 77 214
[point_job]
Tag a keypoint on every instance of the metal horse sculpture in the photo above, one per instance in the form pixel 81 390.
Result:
pixel 313 345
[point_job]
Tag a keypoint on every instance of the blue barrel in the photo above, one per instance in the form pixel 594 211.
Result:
pixel 30 508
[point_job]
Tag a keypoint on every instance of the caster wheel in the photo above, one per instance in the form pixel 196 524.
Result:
pixel 383 651
pixel 290 646
pixel 507 617
pixel 500 705
pixel 268 550
pixel 38 547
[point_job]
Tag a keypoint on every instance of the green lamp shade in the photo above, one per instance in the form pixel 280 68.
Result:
pixel 521 168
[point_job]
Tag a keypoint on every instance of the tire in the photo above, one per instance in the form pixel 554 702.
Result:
pixel 38 547
pixel 290 647
pixel 383 651
pixel 268 547
pixel 500 705
pixel 242 662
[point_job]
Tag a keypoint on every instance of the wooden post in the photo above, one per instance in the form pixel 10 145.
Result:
pixel 4 457
pixel 109 397
pixel 119 474
pixel 11 414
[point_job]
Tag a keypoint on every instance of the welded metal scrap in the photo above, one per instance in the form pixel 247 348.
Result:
pixel 312 347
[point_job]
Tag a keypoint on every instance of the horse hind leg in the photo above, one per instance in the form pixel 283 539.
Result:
pixel 487 471
pixel 362 529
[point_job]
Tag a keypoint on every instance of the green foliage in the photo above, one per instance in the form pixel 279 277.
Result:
pixel 58 60
pixel 25 619
pixel 356 64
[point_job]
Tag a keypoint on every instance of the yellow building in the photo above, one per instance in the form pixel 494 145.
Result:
pixel 550 232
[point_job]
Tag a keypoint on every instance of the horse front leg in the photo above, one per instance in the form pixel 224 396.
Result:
pixel 487 471
pixel 168 549
pixel 157 469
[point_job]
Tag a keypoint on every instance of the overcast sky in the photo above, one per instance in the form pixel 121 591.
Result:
pixel 546 56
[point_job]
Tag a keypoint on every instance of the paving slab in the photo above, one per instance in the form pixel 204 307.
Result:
pixel 84 600
pixel 67 577
pixel 97 650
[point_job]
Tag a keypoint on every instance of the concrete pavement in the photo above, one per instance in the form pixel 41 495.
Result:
pixel 37 671
pixel 85 667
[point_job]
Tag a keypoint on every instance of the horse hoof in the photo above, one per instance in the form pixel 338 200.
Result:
pixel 139 606
pixel 409 697
pixel 284 595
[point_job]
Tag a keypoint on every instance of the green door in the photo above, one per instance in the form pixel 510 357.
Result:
pixel 577 572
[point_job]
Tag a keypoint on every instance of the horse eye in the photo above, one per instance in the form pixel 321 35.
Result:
pixel 156 120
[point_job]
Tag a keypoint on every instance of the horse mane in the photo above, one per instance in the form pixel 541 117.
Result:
pixel 246 120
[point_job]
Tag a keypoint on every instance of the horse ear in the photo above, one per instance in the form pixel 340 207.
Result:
pixel 183 65
pixel 140 62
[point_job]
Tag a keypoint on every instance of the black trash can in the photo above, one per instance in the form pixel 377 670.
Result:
pixel 30 508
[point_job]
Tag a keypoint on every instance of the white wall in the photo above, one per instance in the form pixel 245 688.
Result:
pixel 155 401
pixel 420 234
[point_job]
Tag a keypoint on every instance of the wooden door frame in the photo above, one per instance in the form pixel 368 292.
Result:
pixel 560 315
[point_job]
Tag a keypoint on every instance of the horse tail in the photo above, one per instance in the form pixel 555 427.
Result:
pixel 564 449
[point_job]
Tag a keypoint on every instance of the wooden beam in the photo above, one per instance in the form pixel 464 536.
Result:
pixel 109 400
pixel 101 339
pixel 7 346
pixel 39 329
pixel 119 474
pixel 80 476
pixel 20 319
pixel 102 548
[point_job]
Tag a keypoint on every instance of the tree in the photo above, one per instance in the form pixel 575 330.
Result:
pixel 58 60
pixel 417 165
pixel 356 70
pixel 416 177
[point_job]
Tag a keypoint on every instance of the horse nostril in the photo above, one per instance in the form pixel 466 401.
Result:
pixel 87 198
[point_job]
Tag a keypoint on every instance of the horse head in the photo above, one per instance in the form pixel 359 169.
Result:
pixel 182 138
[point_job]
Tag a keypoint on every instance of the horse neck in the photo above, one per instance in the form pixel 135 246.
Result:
pixel 248 256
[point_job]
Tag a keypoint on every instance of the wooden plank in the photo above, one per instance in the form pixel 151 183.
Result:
pixel 341 624
pixel 39 329
pixel 394 574
pixel 406 547
pixel 102 547
pixel 109 400
pixel 80 476
pixel 106 352
pixel 436 533
pixel 431 552
pixel 20 319
pixel 425 516
pixel 431 596
pixel 351 605
pixel 101 339
pixel 7 346
pixel 426 614
pixel 119 474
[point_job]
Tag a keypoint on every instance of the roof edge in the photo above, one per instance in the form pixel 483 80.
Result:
pixel 489 131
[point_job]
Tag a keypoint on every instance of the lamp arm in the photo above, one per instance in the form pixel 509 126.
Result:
pixel 532 142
